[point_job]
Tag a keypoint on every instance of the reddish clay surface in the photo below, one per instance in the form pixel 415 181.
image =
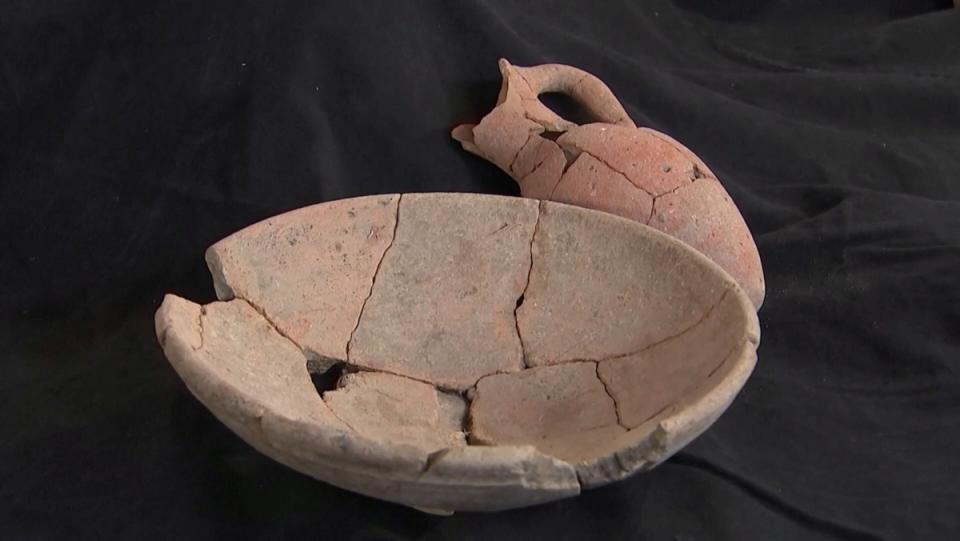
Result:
pixel 563 410
pixel 637 173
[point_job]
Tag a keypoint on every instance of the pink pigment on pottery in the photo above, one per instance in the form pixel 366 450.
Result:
pixel 611 165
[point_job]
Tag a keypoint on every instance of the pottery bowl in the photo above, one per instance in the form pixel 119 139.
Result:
pixel 461 351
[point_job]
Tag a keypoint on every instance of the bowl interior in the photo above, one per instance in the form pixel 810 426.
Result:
pixel 441 321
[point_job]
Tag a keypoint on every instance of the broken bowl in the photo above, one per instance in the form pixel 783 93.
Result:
pixel 483 352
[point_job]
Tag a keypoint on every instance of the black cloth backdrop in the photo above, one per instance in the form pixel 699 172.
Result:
pixel 135 134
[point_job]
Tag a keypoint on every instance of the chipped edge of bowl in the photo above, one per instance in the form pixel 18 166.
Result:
pixel 468 478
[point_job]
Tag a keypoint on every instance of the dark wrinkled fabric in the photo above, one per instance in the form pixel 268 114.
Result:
pixel 133 135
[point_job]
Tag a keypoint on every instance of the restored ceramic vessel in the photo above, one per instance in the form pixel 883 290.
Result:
pixel 611 165
pixel 493 352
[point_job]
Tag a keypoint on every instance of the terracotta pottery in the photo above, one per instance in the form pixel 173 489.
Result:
pixel 611 165
pixel 491 352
